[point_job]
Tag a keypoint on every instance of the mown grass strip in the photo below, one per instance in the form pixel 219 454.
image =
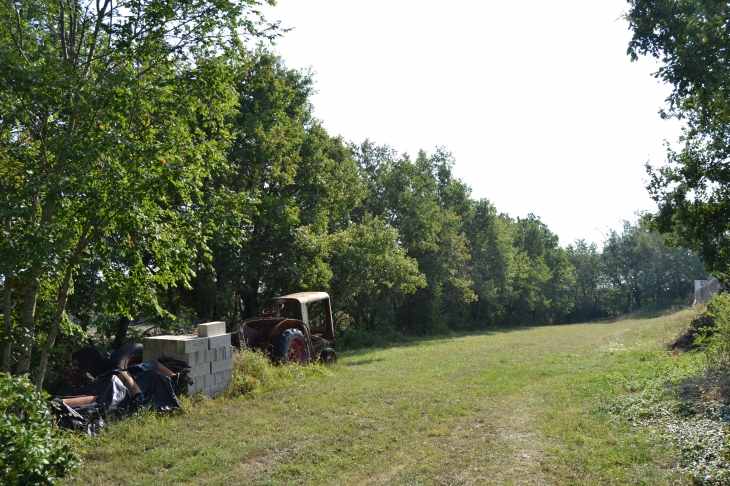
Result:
pixel 516 406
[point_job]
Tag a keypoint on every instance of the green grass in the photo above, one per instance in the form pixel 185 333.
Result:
pixel 518 406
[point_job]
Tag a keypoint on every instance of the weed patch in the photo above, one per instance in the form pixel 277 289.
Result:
pixel 683 398
pixel 253 372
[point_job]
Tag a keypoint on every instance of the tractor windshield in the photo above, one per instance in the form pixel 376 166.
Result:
pixel 317 316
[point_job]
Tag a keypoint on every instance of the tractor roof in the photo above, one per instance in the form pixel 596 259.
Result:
pixel 303 297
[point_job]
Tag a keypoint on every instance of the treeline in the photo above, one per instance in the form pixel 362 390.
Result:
pixel 258 200
pixel 398 242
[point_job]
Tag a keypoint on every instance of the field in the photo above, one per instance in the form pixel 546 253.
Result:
pixel 525 405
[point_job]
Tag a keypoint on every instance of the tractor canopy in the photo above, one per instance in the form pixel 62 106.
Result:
pixel 312 308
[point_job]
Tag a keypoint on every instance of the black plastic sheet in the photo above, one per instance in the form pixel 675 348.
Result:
pixel 114 399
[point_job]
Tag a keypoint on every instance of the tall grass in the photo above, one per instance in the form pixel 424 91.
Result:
pixel 254 372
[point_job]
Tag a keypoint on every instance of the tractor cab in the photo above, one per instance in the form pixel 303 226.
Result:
pixel 294 328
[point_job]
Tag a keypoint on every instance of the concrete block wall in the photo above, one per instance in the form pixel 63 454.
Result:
pixel 209 355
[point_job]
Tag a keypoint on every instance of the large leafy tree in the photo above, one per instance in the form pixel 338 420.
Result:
pixel 424 203
pixel 112 116
pixel 304 183
pixel 543 274
pixel 639 268
pixel 492 262
pixel 589 283
pixel 690 39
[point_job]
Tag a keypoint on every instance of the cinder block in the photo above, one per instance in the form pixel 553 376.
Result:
pixel 211 355
pixel 220 381
pixel 192 359
pixel 168 346
pixel 200 382
pixel 151 343
pixel 191 344
pixel 197 387
pixel 210 329
pixel 225 352
pixel 216 390
pixel 219 341
pixel 199 370
pixel 221 364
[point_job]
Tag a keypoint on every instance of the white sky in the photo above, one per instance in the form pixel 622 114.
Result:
pixel 538 101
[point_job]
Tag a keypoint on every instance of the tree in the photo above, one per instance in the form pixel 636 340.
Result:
pixel 543 275
pixel 639 268
pixel 423 201
pixel 370 271
pixel 114 116
pixel 689 37
pixel 492 262
pixel 589 282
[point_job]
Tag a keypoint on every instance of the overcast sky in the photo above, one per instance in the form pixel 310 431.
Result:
pixel 538 101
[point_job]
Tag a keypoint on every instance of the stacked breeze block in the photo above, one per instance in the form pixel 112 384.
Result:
pixel 209 355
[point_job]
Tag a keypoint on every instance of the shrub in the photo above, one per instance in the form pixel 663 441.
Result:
pixel 719 348
pixel 31 450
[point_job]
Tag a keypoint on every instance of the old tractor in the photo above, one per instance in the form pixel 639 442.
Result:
pixel 294 328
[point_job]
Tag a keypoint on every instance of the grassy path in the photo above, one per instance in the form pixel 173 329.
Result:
pixel 522 406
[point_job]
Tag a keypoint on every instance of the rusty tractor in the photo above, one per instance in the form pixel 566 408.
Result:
pixel 294 328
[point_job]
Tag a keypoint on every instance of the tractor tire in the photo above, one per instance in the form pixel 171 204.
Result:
pixel 85 363
pixel 328 356
pixel 126 356
pixel 291 347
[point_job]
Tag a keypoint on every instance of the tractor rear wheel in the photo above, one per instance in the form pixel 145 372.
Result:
pixel 291 347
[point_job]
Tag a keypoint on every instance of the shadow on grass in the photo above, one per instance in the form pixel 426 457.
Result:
pixel 705 394
pixel 652 311
pixel 363 362
pixel 406 341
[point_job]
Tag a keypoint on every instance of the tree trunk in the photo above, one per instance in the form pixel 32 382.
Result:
pixel 30 298
pixel 61 305
pixel 121 334
pixel 235 311
pixel 8 323
pixel 27 321
pixel 60 310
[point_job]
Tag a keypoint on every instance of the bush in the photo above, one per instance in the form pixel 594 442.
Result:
pixel 32 452
pixel 719 334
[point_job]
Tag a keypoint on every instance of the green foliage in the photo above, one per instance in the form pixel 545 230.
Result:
pixel 718 341
pixel 589 287
pixel 113 118
pixel 370 270
pixel 155 170
pixel 640 268
pixel 681 398
pixel 32 451
pixel 544 274
pixel 253 372
pixel 689 38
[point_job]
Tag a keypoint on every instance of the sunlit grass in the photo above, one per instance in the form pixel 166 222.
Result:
pixel 516 406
